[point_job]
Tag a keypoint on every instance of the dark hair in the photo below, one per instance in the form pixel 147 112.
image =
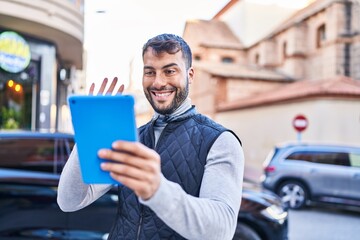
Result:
pixel 170 44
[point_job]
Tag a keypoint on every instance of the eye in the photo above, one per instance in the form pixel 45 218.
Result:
pixel 170 71
pixel 149 73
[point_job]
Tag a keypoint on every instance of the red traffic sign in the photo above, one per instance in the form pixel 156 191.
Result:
pixel 300 123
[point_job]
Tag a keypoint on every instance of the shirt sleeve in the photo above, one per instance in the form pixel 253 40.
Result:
pixel 212 215
pixel 73 193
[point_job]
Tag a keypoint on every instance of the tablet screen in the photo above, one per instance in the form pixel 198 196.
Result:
pixel 98 121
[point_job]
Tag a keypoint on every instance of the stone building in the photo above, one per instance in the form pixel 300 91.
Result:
pixel 307 64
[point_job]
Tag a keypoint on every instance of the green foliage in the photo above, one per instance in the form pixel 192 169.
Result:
pixel 10 118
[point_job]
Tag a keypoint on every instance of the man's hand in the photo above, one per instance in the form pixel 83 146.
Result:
pixel 139 167
pixel 103 86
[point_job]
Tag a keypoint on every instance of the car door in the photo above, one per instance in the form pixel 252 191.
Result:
pixel 28 208
pixel 354 185
pixel 330 174
pixel 95 220
pixel 62 149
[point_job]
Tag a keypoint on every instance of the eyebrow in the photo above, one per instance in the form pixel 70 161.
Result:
pixel 164 67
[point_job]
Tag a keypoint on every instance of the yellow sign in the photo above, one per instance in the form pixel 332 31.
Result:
pixel 15 52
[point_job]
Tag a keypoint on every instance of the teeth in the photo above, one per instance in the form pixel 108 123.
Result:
pixel 162 94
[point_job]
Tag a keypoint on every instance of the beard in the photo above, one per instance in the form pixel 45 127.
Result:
pixel 180 95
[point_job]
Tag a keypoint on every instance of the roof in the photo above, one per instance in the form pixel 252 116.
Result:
pixel 228 70
pixel 19 133
pixel 211 33
pixel 335 87
pixel 225 8
pixel 299 16
pixel 318 145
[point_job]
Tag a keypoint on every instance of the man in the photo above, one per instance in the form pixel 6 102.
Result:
pixel 183 179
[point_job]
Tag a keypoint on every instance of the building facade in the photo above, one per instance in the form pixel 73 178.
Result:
pixel 41 58
pixel 308 64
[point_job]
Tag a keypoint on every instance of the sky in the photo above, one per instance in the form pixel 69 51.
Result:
pixel 115 30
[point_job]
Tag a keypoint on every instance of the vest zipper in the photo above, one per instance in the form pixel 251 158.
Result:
pixel 140 223
pixel 160 137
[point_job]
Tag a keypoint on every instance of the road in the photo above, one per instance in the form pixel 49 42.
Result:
pixel 324 223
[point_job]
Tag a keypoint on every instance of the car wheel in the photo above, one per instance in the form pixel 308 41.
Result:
pixel 293 194
pixel 244 232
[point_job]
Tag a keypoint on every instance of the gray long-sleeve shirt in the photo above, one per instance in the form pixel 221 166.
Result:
pixel 212 215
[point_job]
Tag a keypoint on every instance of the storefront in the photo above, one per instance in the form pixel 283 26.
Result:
pixel 41 62
pixel 31 86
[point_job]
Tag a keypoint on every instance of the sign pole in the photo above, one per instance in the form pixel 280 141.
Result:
pixel 300 123
pixel 299 137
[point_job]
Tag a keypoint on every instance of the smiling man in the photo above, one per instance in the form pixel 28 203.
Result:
pixel 183 179
pixel 163 78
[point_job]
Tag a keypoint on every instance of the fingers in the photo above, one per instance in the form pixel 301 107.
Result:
pixel 112 86
pixel 134 148
pixel 102 87
pixel 143 181
pixel 121 89
pixel 134 154
pixel 91 90
pixel 122 157
pixel 129 171
pixel 110 90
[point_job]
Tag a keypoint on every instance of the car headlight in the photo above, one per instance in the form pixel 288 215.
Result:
pixel 275 213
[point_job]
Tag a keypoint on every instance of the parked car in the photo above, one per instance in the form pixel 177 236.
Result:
pixel 35 151
pixel 305 173
pixel 262 215
pixel 30 166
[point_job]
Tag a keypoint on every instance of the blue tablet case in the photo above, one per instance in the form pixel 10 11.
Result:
pixel 98 121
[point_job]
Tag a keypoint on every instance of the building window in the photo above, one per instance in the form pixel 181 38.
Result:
pixel 257 59
pixel 197 58
pixel 320 35
pixel 18 92
pixel 227 60
pixel 284 50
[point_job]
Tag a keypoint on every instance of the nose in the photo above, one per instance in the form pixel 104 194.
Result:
pixel 159 81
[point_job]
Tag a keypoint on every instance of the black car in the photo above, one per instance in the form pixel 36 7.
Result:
pixel 30 166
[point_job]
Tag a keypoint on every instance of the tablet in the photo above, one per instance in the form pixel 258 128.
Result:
pixel 97 122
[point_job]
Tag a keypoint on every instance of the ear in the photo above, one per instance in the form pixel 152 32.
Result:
pixel 191 74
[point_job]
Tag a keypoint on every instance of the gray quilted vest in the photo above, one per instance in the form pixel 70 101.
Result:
pixel 183 146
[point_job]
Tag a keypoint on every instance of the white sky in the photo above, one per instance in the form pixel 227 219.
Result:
pixel 115 37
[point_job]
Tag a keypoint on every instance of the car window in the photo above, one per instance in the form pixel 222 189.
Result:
pixel 270 156
pixel 45 154
pixel 332 158
pixel 355 159
pixel 301 156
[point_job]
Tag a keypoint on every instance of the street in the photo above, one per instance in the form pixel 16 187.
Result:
pixel 323 223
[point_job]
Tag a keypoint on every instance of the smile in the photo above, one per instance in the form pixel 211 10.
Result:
pixel 162 94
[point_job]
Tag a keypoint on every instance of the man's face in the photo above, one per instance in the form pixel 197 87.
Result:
pixel 166 80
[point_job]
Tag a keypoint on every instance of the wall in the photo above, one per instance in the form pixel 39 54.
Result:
pixel 261 128
pixel 240 88
pixel 203 91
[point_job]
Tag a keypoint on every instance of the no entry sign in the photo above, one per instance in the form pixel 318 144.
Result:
pixel 300 123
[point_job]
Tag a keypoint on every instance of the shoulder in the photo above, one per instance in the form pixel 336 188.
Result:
pixel 224 132
pixel 228 146
pixel 228 138
pixel 208 122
